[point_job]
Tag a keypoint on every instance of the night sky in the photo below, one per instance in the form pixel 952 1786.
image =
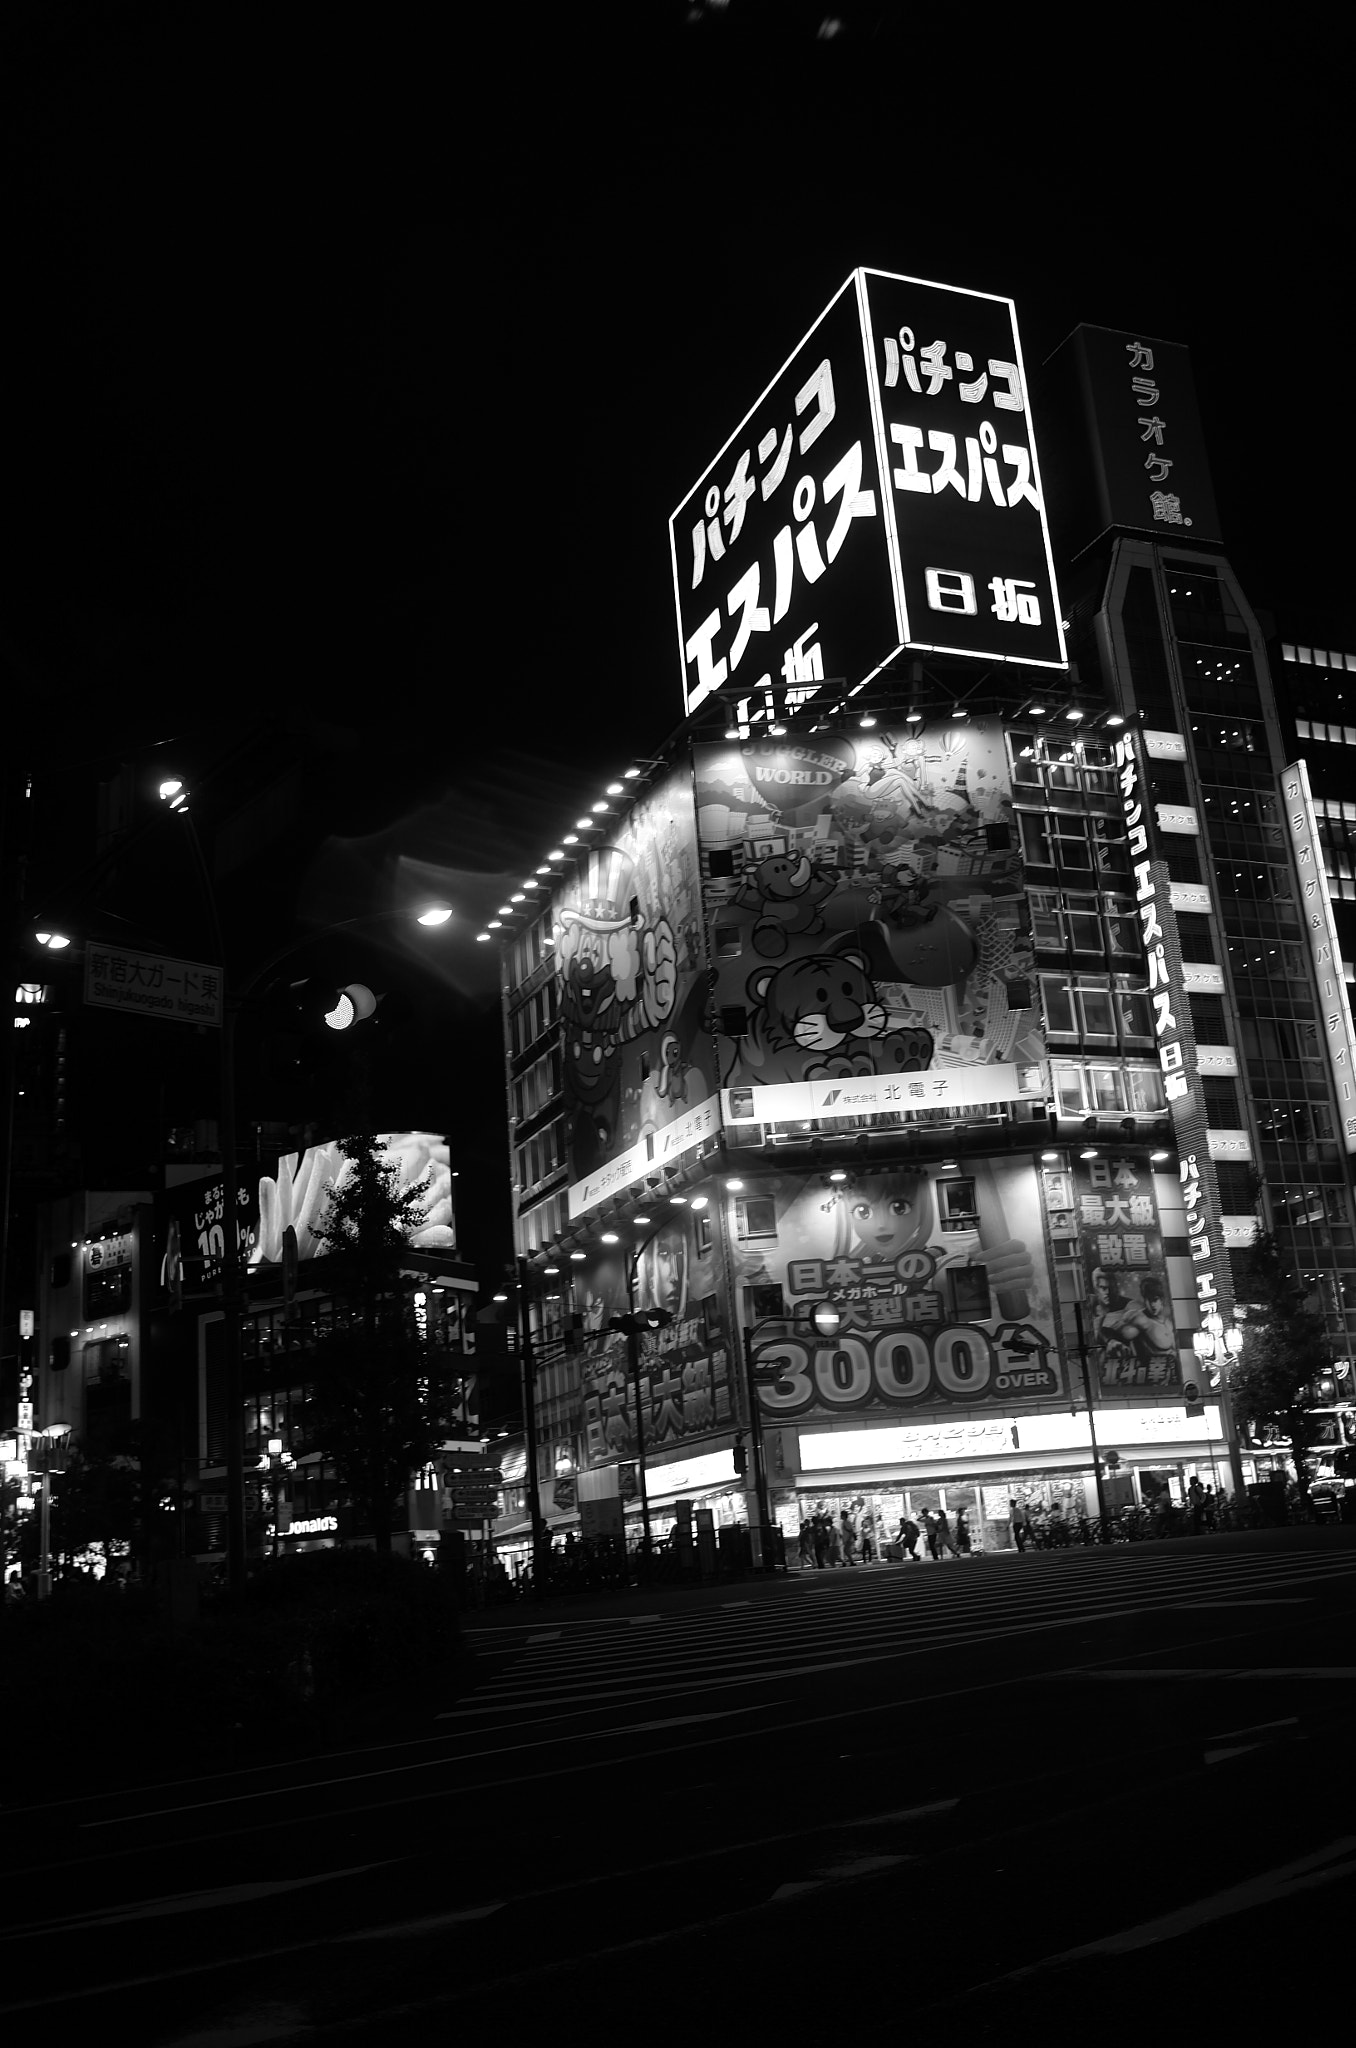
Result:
pixel 355 364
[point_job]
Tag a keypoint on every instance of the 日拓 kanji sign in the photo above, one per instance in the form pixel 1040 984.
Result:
pixel 883 493
pixel 181 991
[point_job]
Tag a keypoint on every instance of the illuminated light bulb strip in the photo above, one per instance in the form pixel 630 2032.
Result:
pixel 552 864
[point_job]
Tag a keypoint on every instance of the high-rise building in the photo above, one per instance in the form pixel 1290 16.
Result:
pixel 900 1059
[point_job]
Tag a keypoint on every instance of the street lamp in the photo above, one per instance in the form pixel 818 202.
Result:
pixel 275 1462
pixel 826 1321
pixel 50 1438
pixel 1217 1347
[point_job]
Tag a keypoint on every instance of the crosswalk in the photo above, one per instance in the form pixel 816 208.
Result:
pixel 558 1670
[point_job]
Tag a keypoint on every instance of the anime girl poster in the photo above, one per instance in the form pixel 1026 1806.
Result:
pixel 941 1282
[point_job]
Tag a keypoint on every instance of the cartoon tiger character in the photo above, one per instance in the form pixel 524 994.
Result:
pixel 826 1007
pixel 786 891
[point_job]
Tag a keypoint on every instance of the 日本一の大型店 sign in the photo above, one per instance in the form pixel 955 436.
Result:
pixel 883 493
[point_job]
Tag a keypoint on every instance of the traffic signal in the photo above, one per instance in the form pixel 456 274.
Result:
pixel 641 1320
pixel 741 1461
pixel 317 1002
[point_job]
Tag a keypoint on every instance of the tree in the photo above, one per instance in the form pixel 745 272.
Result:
pixel 381 1403
pixel 1285 1349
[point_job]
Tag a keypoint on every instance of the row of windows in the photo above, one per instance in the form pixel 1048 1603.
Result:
pixel 541 1155
pixel 1087 1089
pixel 1105 1007
pixel 1074 845
pixel 1203 607
pixel 528 949
pixel 1068 921
pixel 1318 657
pixel 1335 735
pixel 539 1086
pixel 535 1016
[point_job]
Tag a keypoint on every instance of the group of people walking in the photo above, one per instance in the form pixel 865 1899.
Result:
pixel 827 1539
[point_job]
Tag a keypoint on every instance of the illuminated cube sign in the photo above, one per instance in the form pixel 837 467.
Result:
pixel 883 493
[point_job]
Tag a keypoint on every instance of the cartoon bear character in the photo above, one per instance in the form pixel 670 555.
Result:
pixel 826 1006
pixel 787 890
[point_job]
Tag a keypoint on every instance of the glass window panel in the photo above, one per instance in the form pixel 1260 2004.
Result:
pixel 1099 1016
pixel 1059 1012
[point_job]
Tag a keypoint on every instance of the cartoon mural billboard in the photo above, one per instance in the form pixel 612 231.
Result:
pixel 1127 1312
pixel 868 923
pixel 685 1368
pixel 939 1276
pixel 626 932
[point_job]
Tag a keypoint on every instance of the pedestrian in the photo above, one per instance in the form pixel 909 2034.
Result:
pixel 1059 1528
pixel 1196 1504
pixel 806 1544
pixel 962 1533
pixel 868 1537
pixel 909 1533
pixel 941 1529
pixel 820 1526
pixel 832 1529
pixel 1211 1509
pixel 847 1537
pixel 1021 1526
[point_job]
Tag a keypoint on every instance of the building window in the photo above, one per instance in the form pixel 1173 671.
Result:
pixel 1090 1089
pixel 956 1203
pixel 755 1216
pixel 1101 1007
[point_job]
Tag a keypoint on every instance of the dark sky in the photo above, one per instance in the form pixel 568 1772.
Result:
pixel 356 357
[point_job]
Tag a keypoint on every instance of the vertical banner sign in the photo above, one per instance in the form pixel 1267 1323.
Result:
pixel 1132 1342
pixel 884 492
pixel 1321 932
pixel 1176 1039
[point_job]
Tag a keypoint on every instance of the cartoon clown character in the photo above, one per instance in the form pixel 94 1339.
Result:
pixel 618 976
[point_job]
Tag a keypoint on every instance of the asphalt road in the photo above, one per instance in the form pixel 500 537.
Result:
pixel 995 1795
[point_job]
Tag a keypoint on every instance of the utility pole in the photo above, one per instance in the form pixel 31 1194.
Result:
pixel 1102 1515
pixel 541 1545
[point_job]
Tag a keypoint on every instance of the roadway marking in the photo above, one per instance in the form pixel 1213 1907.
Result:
pixel 882 1820
pixel 1257 1728
pixel 1209 1671
pixel 841 1871
pixel 1325 1866
pixel 192 1902
pixel 445 1762
pixel 1279 1600
pixel 547 1635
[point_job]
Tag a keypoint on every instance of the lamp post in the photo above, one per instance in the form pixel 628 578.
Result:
pixel 50 1438
pixel 1217 1347
pixel 275 1462
pixel 173 793
pixel 1102 1516
pixel 827 1321
pixel 541 1540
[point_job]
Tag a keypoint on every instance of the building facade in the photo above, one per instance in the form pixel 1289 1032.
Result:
pixel 977 993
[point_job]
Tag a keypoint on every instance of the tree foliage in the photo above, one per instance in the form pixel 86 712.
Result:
pixel 1285 1349
pixel 381 1403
